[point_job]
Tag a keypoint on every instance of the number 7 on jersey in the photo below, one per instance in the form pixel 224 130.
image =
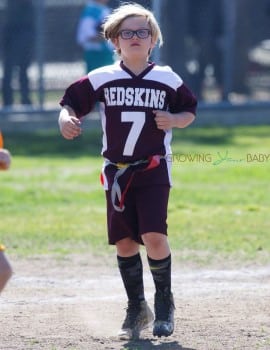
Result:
pixel 138 121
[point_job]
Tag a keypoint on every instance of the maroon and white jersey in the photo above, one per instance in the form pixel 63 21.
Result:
pixel 127 102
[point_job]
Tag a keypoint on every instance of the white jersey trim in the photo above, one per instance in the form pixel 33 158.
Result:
pixel 165 75
pixel 161 74
pixel 103 75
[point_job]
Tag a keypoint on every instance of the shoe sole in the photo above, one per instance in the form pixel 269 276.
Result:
pixel 135 334
pixel 162 334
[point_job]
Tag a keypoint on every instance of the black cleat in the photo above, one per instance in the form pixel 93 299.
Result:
pixel 164 311
pixel 138 317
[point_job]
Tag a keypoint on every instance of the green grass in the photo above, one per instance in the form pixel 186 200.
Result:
pixel 51 200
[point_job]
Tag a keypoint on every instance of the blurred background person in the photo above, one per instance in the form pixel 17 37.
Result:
pixel 18 48
pixel 5 268
pixel 193 29
pixel 241 45
pixel 205 31
pixel 212 52
pixel 97 51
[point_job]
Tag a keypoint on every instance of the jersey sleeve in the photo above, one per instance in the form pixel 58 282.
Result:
pixel 183 101
pixel 80 96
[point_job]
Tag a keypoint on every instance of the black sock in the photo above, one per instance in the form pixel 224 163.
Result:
pixel 131 270
pixel 161 272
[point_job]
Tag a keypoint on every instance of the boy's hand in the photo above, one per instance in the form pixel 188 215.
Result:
pixel 164 120
pixel 70 127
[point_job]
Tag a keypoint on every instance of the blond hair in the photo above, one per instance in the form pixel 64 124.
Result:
pixel 124 11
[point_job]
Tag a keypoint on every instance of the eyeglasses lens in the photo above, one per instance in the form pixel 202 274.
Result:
pixel 141 33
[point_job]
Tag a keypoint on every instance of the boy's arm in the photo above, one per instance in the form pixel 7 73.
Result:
pixel 166 120
pixel 69 124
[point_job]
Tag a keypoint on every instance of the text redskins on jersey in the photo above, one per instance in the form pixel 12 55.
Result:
pixel 142 97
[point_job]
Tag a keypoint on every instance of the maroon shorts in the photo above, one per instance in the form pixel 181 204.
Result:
pixel 145 211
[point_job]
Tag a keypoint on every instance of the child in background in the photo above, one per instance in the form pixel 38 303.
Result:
pixel 97 51
pixel 141 103
pixel 5 268
pixel 5 157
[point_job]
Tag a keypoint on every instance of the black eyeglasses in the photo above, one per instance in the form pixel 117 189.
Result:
pixel 129 34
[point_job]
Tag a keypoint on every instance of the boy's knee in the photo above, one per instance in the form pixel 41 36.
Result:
pixel 154 239
pixel 127 247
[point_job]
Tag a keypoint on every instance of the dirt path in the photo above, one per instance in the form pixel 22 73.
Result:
pixel 75 304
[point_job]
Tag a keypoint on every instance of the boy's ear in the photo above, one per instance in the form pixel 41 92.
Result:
pixel 115 42
pixel 153 44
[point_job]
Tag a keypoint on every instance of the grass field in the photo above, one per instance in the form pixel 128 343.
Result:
pixel 51 201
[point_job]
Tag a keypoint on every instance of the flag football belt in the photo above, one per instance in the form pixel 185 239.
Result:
pixel 116 192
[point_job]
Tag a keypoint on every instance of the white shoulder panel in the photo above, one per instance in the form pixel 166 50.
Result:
pixel 165 75
pixel 103 75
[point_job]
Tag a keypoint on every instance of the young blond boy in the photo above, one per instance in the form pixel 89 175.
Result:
pixel 141 103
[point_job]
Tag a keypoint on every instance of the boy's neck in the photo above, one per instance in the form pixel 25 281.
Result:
pixel 136 67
